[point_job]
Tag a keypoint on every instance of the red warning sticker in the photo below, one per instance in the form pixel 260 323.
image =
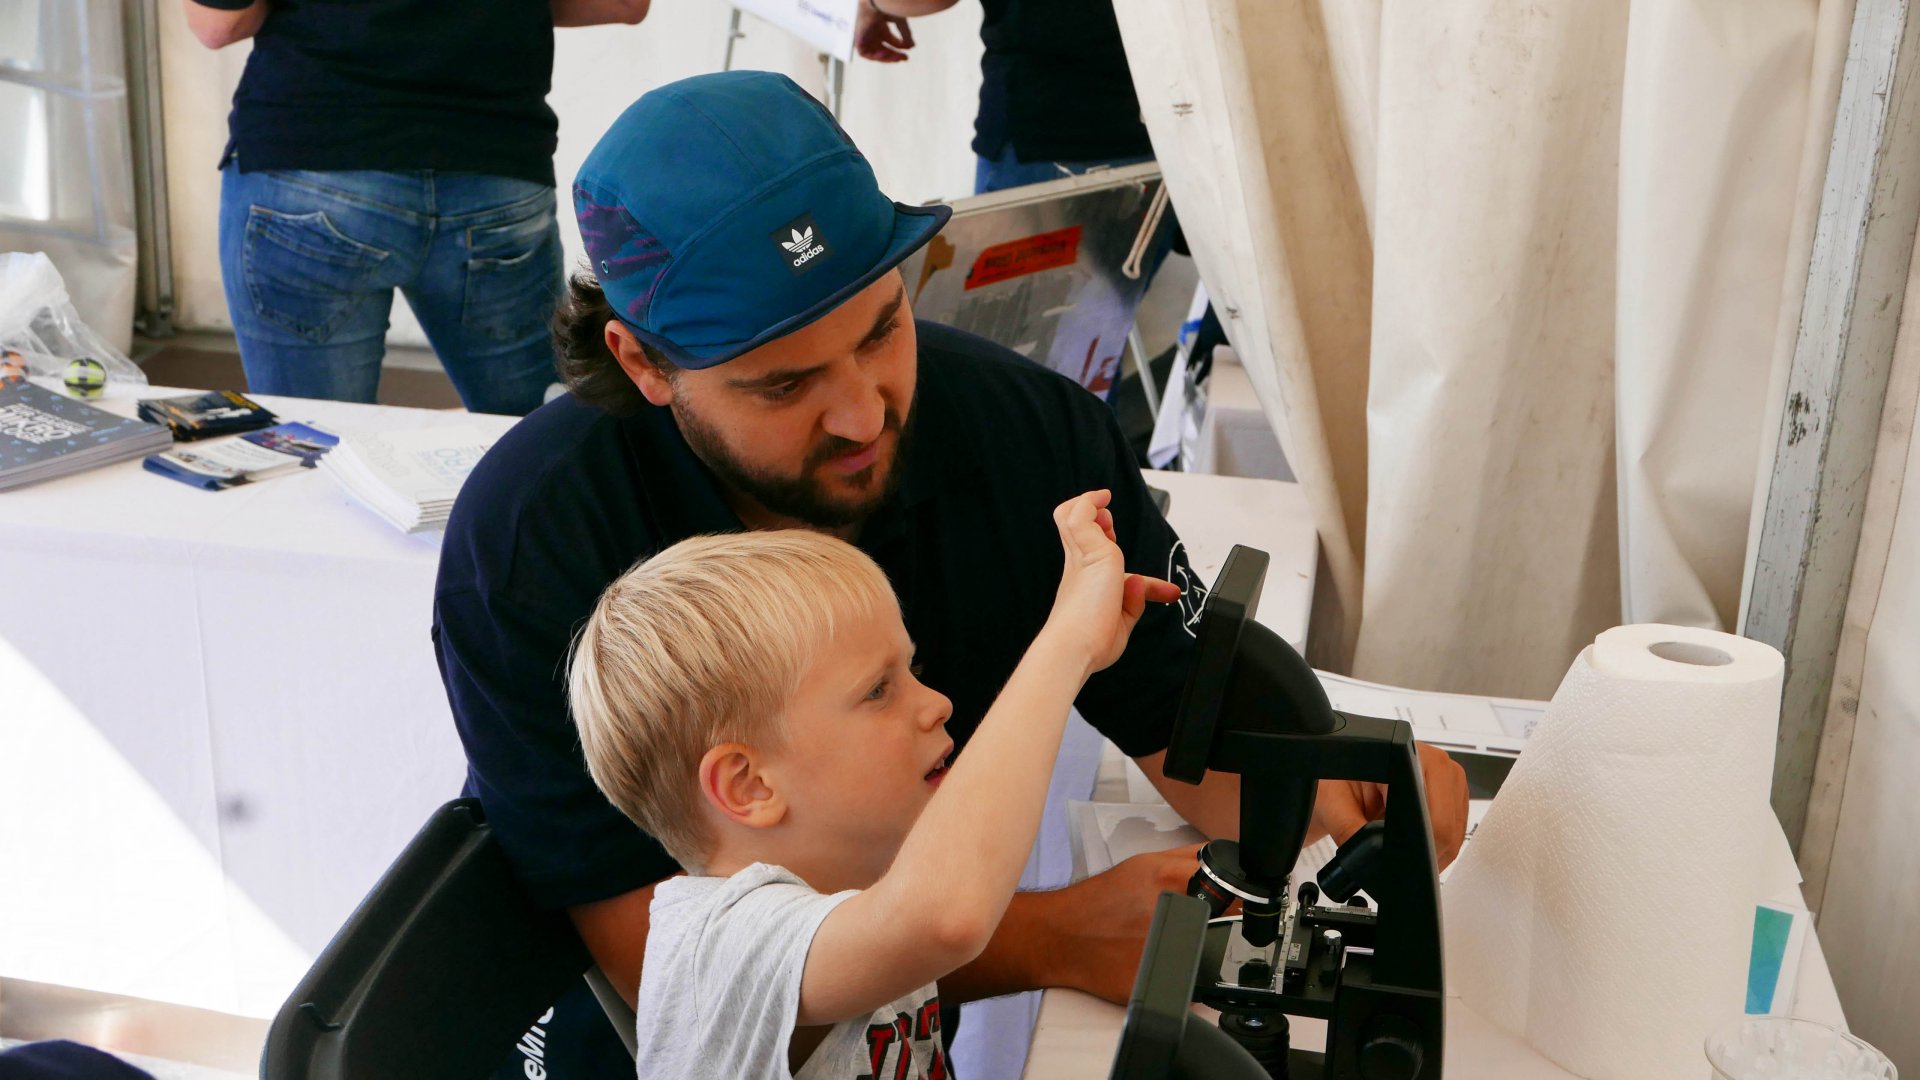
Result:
pixel 1029 255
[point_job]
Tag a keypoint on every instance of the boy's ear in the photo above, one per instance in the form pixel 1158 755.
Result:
pixel 733 780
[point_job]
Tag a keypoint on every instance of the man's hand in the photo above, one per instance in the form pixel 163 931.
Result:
pixel 1343 806
pixel 1109 916
pixel 884 38
pixel 1087 936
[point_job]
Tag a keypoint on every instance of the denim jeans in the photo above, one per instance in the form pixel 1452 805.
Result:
pixel 1000 173
pixel 311 259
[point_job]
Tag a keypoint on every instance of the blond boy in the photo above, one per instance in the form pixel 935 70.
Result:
pixel 750 700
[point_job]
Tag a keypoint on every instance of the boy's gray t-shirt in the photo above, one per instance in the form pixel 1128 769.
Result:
pixel 720 987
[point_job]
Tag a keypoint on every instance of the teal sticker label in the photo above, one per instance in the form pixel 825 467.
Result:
pixel 1771 930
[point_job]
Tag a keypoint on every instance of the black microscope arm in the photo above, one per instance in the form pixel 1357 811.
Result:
pixel 1403 876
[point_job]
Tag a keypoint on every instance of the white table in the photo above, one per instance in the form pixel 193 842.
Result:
pixel 221 719
pixel 1235 437
pixel 245 679
pixel 1213 513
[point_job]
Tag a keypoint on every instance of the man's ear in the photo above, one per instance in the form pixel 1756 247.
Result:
pixel 734 781
pixel 652 382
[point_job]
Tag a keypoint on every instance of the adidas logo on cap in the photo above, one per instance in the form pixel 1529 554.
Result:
pixel 801 244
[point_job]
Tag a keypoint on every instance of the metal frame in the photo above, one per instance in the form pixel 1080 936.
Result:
pixel 734 34
pixel 836 83
pixel 836 70
pixel 153 303
pixel 1836 386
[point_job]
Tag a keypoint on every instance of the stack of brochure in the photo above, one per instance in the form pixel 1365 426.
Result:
pixel 409 478
pixel 255 456
pixel 202 416
pixel 45 435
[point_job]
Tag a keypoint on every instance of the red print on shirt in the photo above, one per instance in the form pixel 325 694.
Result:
pixel 895 1044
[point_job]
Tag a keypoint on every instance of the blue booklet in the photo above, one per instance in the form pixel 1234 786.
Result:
pixel 255 456
pixel 45 434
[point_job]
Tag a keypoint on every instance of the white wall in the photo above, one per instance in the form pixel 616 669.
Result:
pixel 913 120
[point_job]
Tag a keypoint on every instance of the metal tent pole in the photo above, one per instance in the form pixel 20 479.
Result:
pixel 1836 387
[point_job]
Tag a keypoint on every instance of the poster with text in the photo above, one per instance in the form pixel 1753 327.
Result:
pixel 827 25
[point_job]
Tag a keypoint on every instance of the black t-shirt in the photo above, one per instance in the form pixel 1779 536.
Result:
pixel 572 497
pixel 1054 83
pixel 397 84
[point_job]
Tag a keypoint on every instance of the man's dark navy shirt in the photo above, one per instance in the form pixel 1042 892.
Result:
pixel 396 85
pixel 572 497
pixel 1054 83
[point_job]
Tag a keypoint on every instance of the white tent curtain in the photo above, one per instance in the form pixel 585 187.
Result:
pixel 1515 284
pixel 66 173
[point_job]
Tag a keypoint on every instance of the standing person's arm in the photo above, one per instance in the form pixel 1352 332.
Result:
pixel 880 30
pixel 906 9
pixel 598 12
pixel 219 23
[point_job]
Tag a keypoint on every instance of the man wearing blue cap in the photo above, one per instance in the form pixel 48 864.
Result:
pixel 745 357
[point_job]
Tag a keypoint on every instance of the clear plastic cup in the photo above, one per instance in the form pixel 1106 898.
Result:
pixel 1786 1048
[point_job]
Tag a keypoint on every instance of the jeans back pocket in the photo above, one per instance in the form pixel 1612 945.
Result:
pixel 513 277
pixel 303 274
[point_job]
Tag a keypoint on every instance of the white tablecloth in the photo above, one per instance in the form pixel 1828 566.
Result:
pixel 254 672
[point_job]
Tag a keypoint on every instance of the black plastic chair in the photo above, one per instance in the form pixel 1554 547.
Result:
pixel 437 973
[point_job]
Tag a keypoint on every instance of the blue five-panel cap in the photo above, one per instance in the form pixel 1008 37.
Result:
pixel 724 211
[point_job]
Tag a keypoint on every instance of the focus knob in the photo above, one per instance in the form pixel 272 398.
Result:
pixel 1391 1050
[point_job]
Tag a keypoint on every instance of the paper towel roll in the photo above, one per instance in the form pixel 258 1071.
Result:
pixel 1604 908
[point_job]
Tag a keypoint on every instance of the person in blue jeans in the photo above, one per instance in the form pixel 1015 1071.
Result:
pixel 377 145
pixel 1056 95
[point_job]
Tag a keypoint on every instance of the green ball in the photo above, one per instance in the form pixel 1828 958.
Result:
pixel 86 378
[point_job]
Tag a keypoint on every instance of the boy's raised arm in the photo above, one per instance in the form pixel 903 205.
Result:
pixel 938 904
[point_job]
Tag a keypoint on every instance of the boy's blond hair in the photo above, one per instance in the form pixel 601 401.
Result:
pixel 702 644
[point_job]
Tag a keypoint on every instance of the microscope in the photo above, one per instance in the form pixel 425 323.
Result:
pixel 1372 971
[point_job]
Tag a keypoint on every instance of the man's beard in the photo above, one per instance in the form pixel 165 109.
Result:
pixel 802 496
